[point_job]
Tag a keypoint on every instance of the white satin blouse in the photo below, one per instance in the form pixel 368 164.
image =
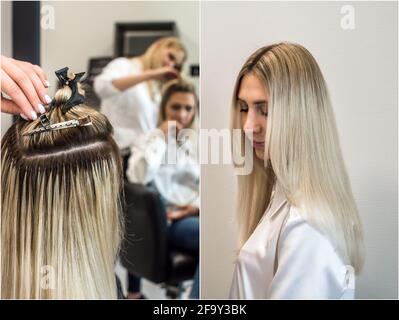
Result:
pixel 286 258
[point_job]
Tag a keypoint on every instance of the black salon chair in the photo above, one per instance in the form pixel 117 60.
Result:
pixel 145 251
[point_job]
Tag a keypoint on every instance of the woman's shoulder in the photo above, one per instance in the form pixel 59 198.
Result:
pixel 298 232
pixel 136 63
pixel 298 229
pixel 306 249
pixel 121 60
pixel 119 64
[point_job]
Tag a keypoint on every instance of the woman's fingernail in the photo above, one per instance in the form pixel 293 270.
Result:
pixel 41 108
pixel 23 116
pixel 47 98
pixel 46 83
pixel 34 115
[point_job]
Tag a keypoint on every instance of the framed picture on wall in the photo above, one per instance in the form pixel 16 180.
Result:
pixel 132 39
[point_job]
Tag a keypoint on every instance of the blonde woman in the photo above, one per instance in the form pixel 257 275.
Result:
pixel 176 179
pixel 60 218
pixel 130 89
pixel 300 234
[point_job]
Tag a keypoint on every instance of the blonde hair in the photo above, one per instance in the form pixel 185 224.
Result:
pixel 302 151
pixel 150 55
pixel 60 218
pixel 150 58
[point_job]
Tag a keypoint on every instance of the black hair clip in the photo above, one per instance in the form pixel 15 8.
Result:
pixel 76 98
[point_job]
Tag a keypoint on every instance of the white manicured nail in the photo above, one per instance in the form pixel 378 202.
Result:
pixel 46 83
pixel 47 98
pixel 34 115
pixel 23 116
pixel 41 108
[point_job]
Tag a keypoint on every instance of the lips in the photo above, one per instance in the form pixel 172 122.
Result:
pixel 258 144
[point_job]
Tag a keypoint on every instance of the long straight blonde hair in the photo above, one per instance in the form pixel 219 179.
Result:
pixel 302 151
pixel 151 58
pixel 60 217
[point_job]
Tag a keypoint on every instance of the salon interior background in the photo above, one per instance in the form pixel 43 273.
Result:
pixel 82 32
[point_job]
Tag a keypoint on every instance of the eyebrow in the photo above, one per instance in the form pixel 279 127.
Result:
pixel 261 102
pixel 176 104
pixel 257 102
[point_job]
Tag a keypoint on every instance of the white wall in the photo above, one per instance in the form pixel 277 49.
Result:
pixel 360 67
pixel 86 29
pixel 6 49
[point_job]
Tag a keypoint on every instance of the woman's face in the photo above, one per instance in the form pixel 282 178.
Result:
pixel 181 108
pixel 252 103
pixel 172 57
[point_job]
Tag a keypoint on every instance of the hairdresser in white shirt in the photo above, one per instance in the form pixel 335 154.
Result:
pixel 174 175
pixel 130 89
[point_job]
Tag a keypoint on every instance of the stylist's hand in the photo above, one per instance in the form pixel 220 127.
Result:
pixel 165 73
pixel 26 85
pixel 164 126
pixel 182 212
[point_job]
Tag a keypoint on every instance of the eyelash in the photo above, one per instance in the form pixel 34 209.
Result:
pixel 172 57
pixel 245 109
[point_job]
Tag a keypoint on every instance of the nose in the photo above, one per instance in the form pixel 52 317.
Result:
pixel 252 122
pixel 182 115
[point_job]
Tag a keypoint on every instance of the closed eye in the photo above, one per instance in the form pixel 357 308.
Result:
pixel 176 107
pixel 172 57
pixel 261 107
pixel 243 107
pixel 262 110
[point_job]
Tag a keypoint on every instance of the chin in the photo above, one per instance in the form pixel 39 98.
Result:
pixel 260 154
